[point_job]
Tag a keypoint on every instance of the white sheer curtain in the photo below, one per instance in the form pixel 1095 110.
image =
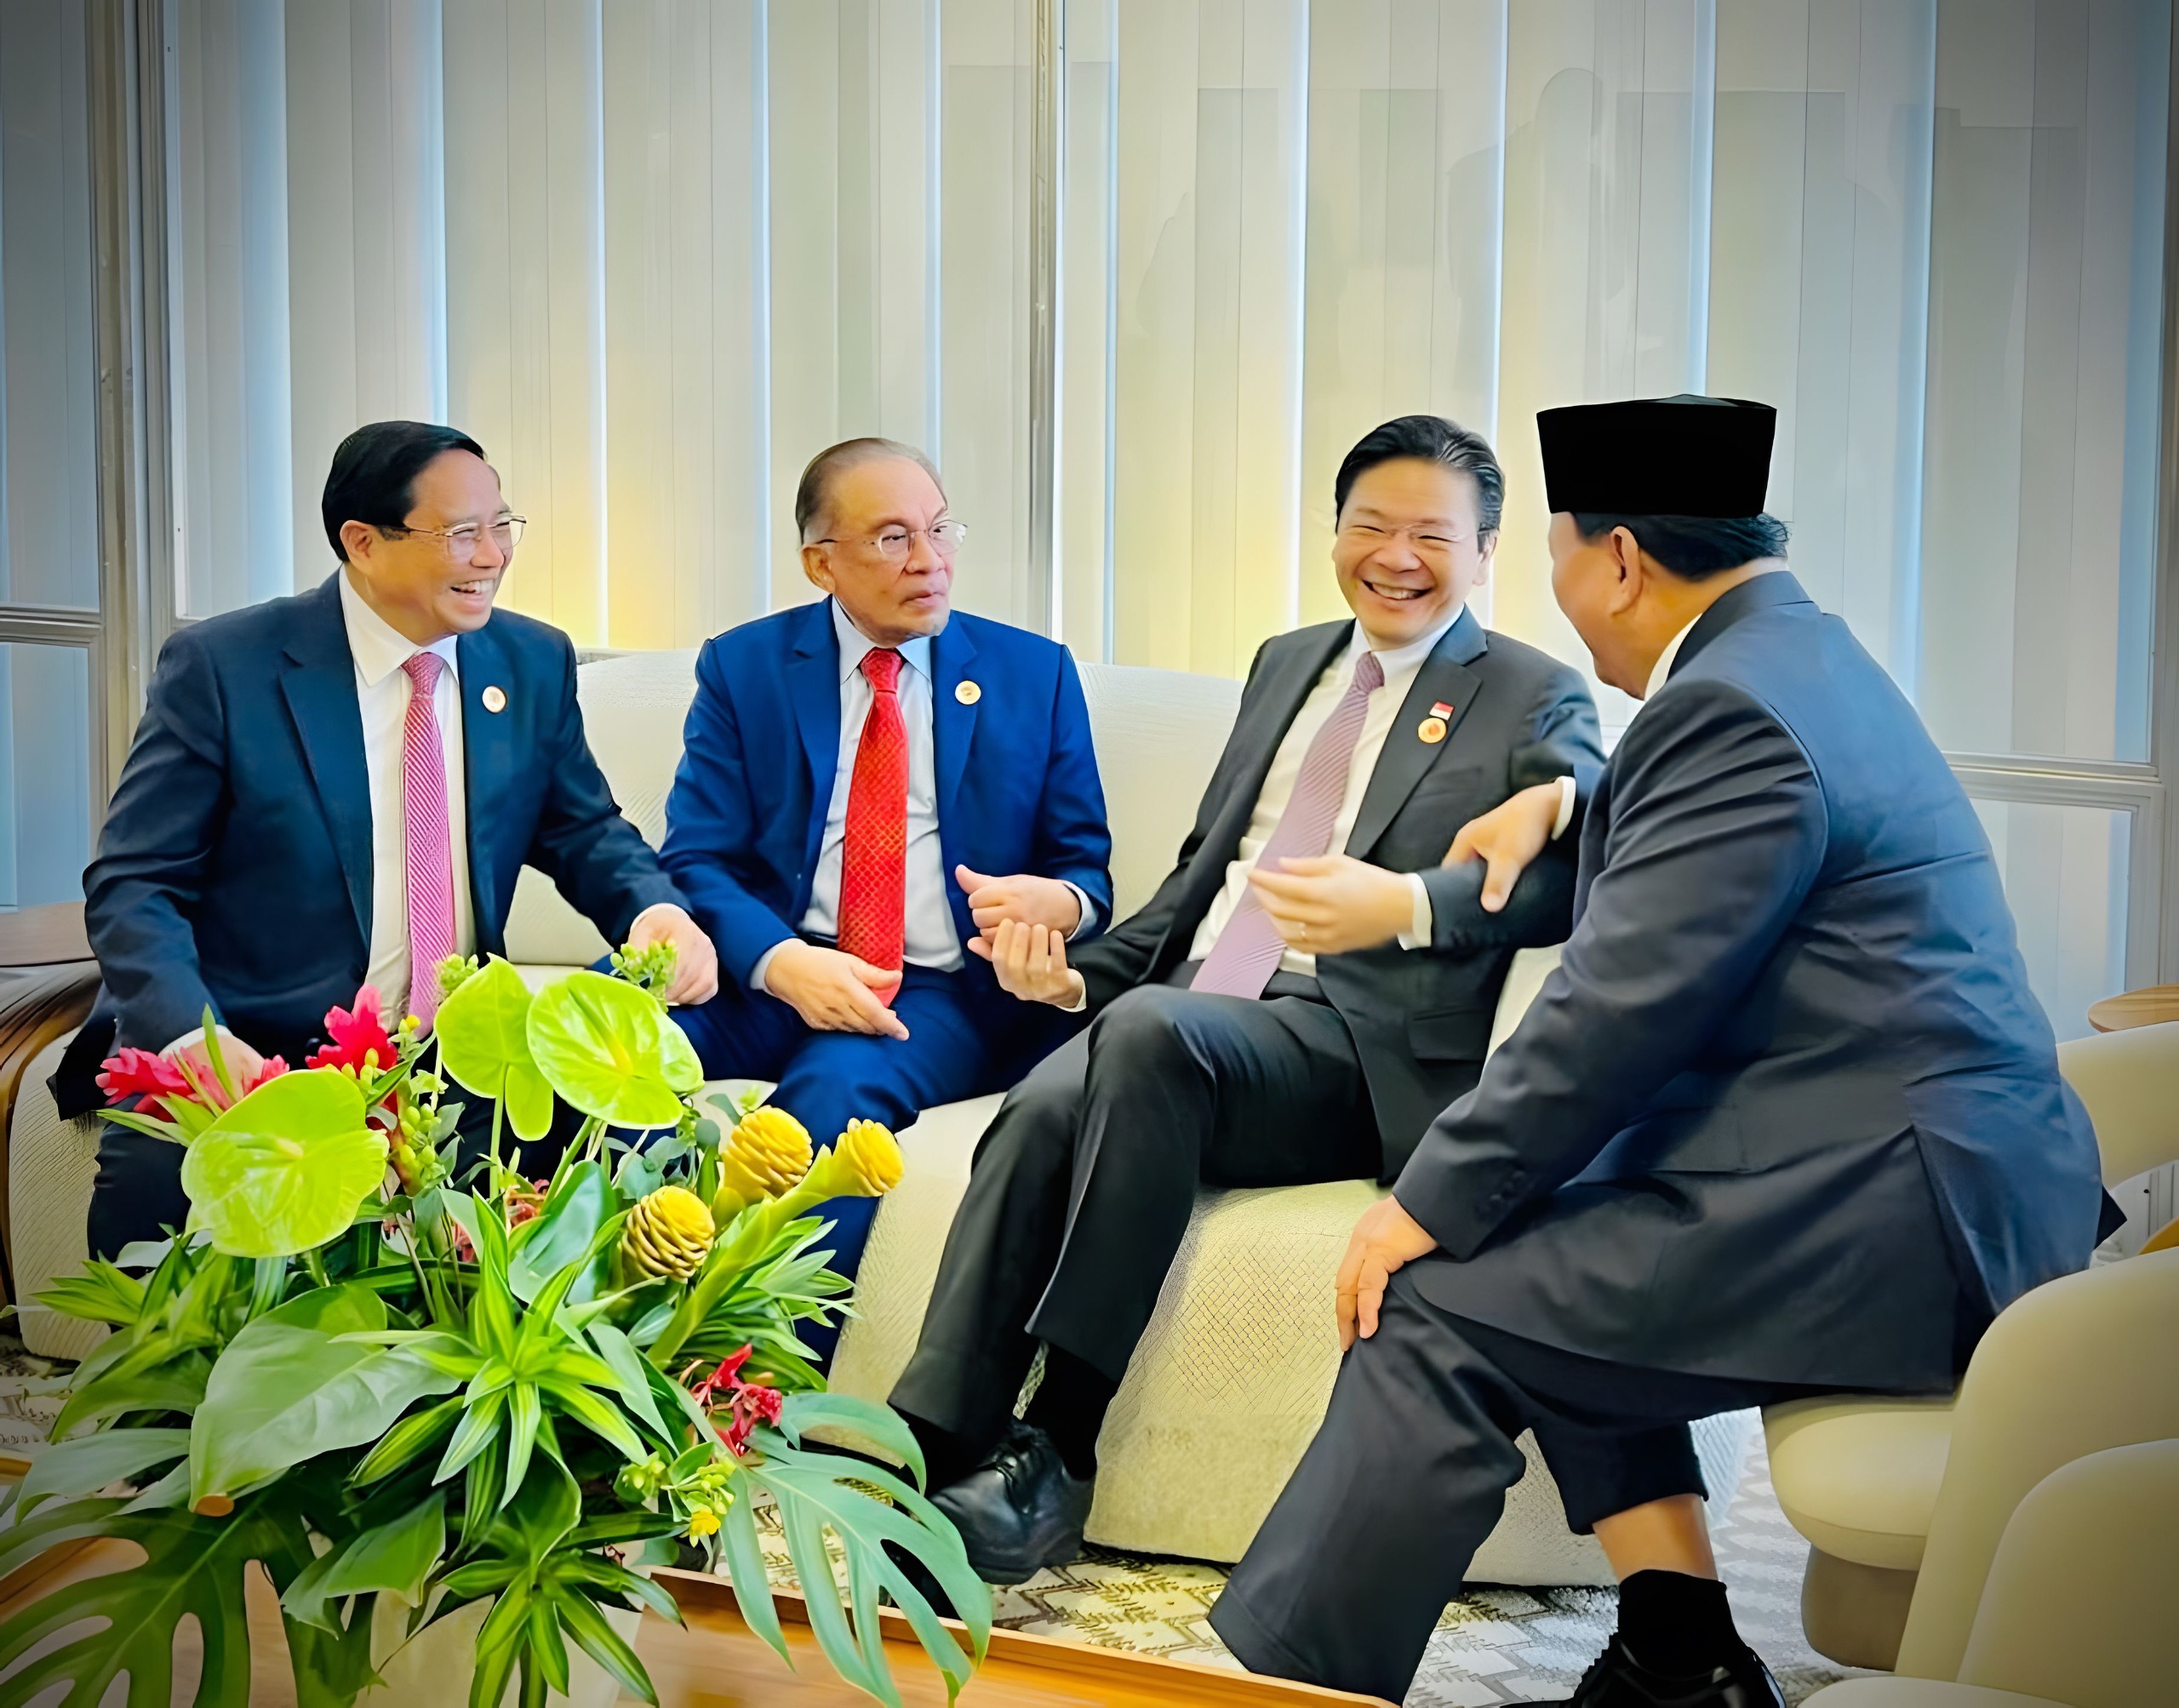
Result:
pixel 653 253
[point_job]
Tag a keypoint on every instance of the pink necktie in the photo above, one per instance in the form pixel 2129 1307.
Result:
pixel 1248 950
pixel 430 852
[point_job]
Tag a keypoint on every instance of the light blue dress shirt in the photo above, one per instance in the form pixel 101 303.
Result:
pixel 931 939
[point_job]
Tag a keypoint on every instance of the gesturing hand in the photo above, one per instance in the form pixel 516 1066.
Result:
pixel 695 962
pixel 834 992
pixel 1330 903
pixel 1386 1237
pixel 1030 962
pixel 1025 899
pixel 1506 838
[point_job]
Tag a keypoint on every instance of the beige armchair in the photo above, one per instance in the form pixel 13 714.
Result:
pixel 1903 1500
pixel 2076 1607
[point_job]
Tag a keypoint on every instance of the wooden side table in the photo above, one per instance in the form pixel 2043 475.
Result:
pixel 2152 1005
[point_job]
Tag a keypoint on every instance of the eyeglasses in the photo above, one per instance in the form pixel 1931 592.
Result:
pixel 1430 542
pixel 461 542
pixel 945 538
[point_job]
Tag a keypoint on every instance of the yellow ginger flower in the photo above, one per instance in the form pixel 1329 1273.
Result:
pixel 668 1234
pixel 764 1155
pixel 702 1522
pixel 863 1162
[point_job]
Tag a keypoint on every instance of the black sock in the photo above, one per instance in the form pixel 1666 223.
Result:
pixel 946 1457
pixel 1676 1624
pixel 1069 1406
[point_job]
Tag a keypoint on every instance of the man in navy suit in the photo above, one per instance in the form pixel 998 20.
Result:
pixel 869 785
pixel 339 788
pixel 1786 1119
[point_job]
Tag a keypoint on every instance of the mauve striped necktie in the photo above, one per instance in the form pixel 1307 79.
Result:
pixel 430 849
pixel 1248 950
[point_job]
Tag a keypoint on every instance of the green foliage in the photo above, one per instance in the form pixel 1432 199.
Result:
pixel 283 1170
pixel 379 1386
pixel 483 1030
pixel 611 1052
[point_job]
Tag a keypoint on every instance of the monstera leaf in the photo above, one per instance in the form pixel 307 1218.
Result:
pixel 483 1034
pixel 284 1171
pixel 610 1050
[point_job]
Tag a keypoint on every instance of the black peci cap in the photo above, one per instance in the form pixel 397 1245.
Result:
pixel 1659 456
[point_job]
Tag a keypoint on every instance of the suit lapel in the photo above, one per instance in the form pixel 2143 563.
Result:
pixel 318 682
pixel 954 722
pixel 487 761
pixel 813 684
pixel 1444 679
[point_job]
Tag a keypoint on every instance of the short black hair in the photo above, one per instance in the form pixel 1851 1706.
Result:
pixel 1432 439
pixel 373 474
pixel 811 491
pixel 1693 547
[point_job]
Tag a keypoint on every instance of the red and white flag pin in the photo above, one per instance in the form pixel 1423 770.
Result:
pixel 1439 709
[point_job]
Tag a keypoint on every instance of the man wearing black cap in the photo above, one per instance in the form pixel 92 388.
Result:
pixel 1786 1120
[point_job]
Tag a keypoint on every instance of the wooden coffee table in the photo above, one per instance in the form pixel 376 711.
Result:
pixel 2152 1005
pixel 718 1662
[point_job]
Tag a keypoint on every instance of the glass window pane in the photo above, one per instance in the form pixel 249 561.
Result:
pixel 48 496
pixel 2065 871
pixel 2046 243
pixel 45 772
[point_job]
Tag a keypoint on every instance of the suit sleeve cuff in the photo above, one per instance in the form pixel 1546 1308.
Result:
pixel 1566 796
pixel 1420 921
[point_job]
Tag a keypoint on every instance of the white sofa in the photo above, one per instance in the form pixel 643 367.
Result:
pixel 1233 1374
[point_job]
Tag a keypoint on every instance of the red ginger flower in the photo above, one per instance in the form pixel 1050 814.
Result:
pixel 358 1036
pixel 142 1073
pixel 748 1403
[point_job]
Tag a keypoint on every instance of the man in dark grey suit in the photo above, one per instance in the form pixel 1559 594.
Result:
pixel 1245 1028
pixel 1786 1119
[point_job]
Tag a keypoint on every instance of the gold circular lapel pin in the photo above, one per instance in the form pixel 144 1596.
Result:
pixel 1432 730
pixel 968 693
pixel 494 698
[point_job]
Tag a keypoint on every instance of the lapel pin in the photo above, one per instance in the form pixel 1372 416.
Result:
pixel 494 698
pixel 968 693
pixel 1439 709
pixel 1431 730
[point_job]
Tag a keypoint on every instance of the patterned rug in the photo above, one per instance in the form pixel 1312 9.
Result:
pixel 1494 1646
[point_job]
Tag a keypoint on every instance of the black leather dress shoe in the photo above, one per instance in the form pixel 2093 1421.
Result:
pixel 1019 1512
pixel 1619 1681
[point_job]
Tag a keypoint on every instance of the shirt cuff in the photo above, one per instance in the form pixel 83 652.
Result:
pixel 1088 921
pixel 1079 1003
pixel 1420 922
pixel 764 965
pixel 1566 793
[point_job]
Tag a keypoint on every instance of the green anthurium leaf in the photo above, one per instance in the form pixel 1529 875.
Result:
pixel 610 1050
pixel 87 1464
pixel 482 1031
pixel 283 1170
pixel 288 1387
pixel 124 1621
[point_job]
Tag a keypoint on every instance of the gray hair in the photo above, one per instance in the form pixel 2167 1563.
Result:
pixel 814 490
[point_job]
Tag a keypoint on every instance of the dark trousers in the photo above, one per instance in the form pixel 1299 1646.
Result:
pixel 966 1038
pixel 138 1195
pixel 1374 1534
pixel 1082 1186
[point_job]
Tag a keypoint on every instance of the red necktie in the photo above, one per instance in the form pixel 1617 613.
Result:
pixel 874 861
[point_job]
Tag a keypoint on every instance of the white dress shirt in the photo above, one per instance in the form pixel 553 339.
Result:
pixel 1400 666
pixel 383 690
pixel 1661 671
pixel 931 939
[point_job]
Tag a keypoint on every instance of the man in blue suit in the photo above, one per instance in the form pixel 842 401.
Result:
pixel 1786 1119
pixel 869 785
pixel 339 788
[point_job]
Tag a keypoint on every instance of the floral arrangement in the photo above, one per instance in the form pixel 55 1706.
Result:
pixel 402 1385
